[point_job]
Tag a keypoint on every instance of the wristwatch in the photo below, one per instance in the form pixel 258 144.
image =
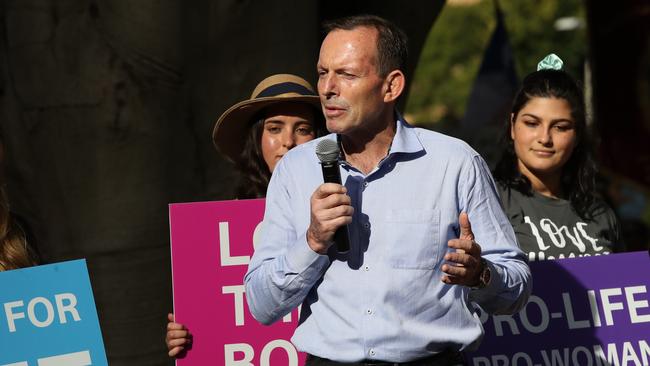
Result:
pixel 484 277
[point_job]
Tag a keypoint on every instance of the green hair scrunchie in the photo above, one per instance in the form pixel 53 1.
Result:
pixel 551 61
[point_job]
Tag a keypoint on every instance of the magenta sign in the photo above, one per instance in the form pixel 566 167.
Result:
pixel 212 243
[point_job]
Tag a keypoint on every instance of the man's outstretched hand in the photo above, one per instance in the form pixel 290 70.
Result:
pixel 463 266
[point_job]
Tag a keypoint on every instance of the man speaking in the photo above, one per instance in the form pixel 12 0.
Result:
pixel 401 294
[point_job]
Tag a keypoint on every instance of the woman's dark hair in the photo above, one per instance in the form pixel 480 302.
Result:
pixel 255 174
pixel 579 172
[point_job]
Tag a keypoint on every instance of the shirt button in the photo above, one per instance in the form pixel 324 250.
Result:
pixel 365 183
pixel 372 352
pixel 366 268
pixel 366 225
pixel 369 311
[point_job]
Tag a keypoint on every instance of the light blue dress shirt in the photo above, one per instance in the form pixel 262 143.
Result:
pixel 384 299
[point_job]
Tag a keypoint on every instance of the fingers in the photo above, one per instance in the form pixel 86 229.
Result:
pixel 177 341
pixel 465 227
pixel 330 195
pixel 331 208
pixel 170 317
pixel 460 268
pixel 465 246
pixel 327 189
pixel 454 275
pixel 460 274
pixel 175 326
pixel 463 264
pixel 462 259
pixel 177 337
pixel 175 351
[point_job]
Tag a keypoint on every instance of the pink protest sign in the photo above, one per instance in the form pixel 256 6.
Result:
pixel 212 243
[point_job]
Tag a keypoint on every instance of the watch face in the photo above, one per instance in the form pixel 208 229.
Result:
pixel 484 278
pixel 485 275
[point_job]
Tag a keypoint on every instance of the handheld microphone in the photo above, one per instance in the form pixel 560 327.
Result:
pixel 328 154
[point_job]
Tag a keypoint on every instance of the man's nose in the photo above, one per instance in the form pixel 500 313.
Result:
pixel 327 85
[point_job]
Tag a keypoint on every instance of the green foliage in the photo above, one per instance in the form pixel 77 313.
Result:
pixel 453 52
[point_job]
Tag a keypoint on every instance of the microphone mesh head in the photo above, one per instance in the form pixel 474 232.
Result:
pixel 327 151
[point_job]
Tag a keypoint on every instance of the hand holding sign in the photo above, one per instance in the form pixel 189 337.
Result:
pixel 178 338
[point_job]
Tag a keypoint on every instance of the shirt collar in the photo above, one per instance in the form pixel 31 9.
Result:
pixel 405 140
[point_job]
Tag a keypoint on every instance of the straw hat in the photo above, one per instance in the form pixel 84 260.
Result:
pixel 231 128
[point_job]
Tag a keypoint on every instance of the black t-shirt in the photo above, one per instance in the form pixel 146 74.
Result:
pixel 548 228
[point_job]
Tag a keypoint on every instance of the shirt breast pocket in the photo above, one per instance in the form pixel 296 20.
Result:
pixel 414 236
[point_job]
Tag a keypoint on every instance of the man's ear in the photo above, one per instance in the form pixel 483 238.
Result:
pixel 394 85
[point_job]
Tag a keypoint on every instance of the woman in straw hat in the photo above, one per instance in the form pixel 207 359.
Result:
pixel 283 111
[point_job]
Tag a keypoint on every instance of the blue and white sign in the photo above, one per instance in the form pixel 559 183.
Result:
pixel 48 317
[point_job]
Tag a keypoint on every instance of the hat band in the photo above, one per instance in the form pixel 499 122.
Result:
pixel 284 88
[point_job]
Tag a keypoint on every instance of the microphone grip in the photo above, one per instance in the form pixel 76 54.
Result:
pixel 342 239
pixel 331 174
